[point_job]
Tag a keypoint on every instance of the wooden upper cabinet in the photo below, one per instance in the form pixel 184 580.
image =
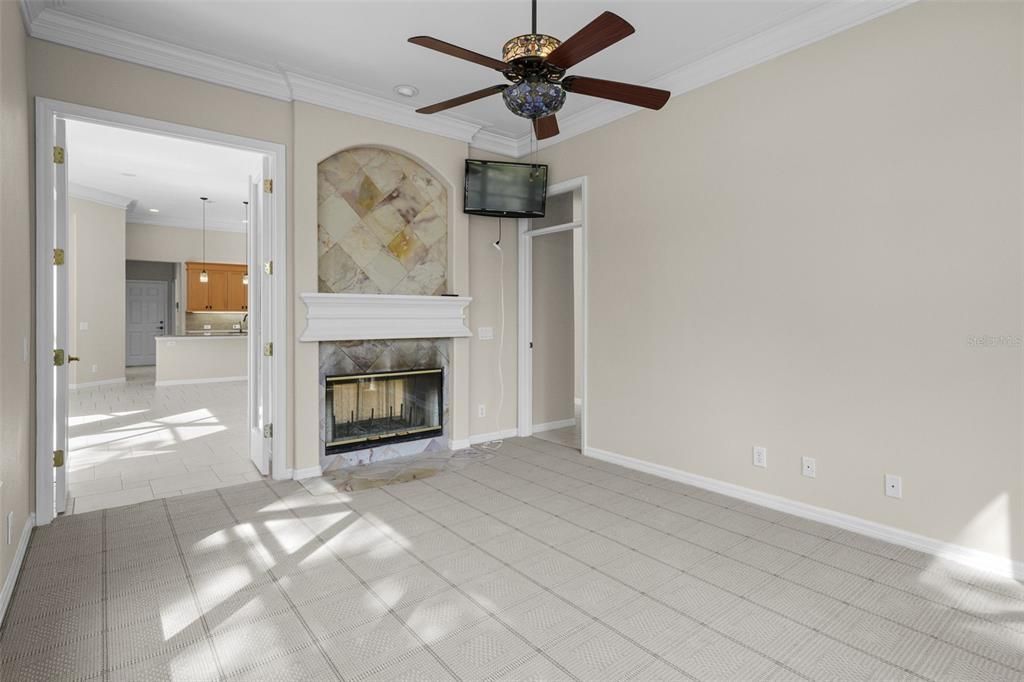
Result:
pixel 238 292
pixel 223 292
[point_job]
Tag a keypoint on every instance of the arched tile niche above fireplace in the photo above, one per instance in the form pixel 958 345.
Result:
pixel 382 229
pixel 382 224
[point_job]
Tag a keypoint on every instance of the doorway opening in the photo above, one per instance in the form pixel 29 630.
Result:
pixel 552 319
pixel 153 392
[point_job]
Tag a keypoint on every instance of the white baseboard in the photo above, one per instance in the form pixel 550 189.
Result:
pixel 214 380
pixel 458 444
pixel 488 437
pixel 551 426
pixel 308 472
pixel 944 550
pixel 15 569
pixel 104 382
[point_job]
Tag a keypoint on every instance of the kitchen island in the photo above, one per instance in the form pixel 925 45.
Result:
pixel 201 358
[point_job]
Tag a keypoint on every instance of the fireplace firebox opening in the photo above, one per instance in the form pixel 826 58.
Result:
pixel 383 407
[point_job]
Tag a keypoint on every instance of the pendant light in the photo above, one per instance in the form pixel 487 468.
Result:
pixel 245 277
pixel 204 276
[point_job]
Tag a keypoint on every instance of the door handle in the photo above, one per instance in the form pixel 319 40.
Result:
pixel 72 358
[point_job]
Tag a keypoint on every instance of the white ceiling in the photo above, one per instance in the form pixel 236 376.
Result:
pixel 145 171
pixel 350 54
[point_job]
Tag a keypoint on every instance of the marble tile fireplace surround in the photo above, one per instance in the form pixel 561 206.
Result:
pixel 385 244
pixel 368 334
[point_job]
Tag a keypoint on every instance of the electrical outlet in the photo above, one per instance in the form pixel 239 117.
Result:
pixel 83 326
pixel 485 333
pixel 481 410
pixel 809 467
pixel 207 326
pixel 95 368
pixel 761 457
pixel 893 486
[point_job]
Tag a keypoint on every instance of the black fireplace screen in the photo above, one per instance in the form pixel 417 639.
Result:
pixel 367 410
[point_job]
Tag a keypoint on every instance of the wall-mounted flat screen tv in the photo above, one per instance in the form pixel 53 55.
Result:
pixel 505 190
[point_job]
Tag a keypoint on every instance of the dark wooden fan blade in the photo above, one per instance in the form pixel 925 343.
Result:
pixel 606 30
pixel 641 96
pixel 460 52
pixel 463 99
pixel 545 127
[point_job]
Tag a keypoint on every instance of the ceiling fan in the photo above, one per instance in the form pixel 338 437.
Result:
pixel 535 64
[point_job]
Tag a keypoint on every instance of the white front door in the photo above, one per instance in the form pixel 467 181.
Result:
pixel 146 319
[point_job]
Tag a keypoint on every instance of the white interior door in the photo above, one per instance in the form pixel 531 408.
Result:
pixel 60 322
pixel 145 319
pixel 260 330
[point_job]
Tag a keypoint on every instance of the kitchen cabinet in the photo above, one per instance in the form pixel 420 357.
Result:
pixel 222 292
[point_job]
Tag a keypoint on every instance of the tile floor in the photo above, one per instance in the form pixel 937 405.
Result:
pixel 134 442
pixel 528 562
pixel 568 436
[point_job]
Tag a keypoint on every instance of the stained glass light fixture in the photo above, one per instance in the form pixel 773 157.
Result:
pixel 529 45
pixel 204 276
pixel 534 98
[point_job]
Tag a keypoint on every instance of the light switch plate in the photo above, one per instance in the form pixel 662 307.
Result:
pixel 83 326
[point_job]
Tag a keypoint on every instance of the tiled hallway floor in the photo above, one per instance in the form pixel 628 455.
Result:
pixel 529 562
pixel 133 442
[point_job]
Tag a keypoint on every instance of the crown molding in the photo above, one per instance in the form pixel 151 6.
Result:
pixel 211 225
pixel 798 32
pixel 46 21
pixel 85 34
pixel 501 144
pixel 322 93
pixel 98 196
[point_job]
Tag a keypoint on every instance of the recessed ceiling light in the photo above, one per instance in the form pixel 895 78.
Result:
pixel 128 175
pixel 407 90
pixel 154 210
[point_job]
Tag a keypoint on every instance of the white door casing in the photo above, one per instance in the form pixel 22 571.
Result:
pixel 52 287
pixel 525 316
pixel 145 319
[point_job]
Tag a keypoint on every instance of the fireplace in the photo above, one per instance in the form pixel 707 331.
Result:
pixel 373 409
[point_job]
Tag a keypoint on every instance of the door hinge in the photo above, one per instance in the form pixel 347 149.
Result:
pixel 268 267
pixel 268 349
pixel 58 357
pixel 58 256
pixel 58 459
pixel 58 154
pixel 268 186
pixel 268 430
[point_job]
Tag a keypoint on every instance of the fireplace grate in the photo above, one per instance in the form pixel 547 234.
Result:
pixel 369 410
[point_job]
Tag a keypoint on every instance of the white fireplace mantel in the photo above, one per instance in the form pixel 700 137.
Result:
pixel 358 317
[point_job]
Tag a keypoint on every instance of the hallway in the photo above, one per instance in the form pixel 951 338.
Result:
pixel 134 442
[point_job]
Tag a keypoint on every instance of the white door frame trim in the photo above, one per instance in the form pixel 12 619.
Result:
pixel 525 356
pixel 48 110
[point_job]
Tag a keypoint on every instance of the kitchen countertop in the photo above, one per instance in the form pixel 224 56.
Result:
pixel 203 335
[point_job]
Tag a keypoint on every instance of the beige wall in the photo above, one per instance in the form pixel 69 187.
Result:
pixel 96 291
pixel 178 244
pixel 797 257
pixel 319 133
pixel 491 272
pixel 17 462
pixel 553 337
